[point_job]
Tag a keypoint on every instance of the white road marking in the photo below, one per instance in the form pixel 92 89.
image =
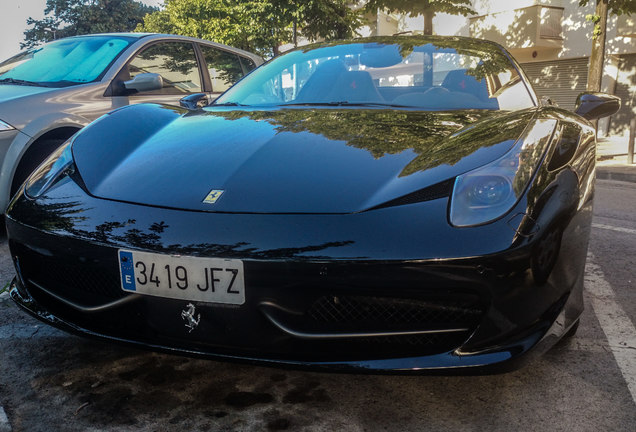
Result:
pixel 614 228
pixel 5 426
pixel 618 328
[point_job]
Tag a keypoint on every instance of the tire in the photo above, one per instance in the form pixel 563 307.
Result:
pixel 33 157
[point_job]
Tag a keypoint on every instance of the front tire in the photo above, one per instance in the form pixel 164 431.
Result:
pixel 33 157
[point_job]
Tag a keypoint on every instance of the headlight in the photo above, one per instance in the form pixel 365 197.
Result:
pixel 5 126
pixel 59 164
pixel 489 192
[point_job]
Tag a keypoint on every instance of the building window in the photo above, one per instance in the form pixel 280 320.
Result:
pixel 551 23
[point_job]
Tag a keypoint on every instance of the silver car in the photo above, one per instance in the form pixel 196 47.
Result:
pixel 50 92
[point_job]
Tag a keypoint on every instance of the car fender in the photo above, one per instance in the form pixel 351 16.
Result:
pixel 23 141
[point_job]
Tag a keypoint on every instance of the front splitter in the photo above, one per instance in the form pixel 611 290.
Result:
pixel 500 359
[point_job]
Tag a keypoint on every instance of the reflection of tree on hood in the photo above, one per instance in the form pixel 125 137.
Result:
pixel 72 218
pixel 436 138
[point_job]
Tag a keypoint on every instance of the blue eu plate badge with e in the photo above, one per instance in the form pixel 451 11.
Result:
pixel 127 271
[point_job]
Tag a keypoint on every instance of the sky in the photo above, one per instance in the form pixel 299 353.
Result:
pixel 13 22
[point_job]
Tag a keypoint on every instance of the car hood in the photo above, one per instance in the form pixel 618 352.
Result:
pixel 293 160
pixel 9 92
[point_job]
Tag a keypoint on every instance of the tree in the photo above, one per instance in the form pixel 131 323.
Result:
pixel 255 25
pixel 328 19
pixel 428 8
pixel 597 58
pixel 218 20
pixel 76 17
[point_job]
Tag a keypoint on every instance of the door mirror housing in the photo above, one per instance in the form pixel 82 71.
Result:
pixel 144 82
pixel 194 101
pixel 593 106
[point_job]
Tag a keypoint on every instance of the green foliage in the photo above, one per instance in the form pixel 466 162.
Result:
pixel 428 8
pixel 616 7
pixel 596 20
pixel 76 17
pixel 329 19
pixel 599 19
pixel 255 25
pixel 421 7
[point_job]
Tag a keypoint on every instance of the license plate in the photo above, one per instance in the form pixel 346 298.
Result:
pixel 214 280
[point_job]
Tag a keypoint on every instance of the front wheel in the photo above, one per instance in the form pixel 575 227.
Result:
pixel 33 157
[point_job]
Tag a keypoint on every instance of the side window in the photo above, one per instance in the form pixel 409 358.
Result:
pixel 176 63
pixel 224 68
pixel 248 64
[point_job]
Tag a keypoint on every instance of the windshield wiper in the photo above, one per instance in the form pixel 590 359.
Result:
pixel 20 82
pixel 228 104
pixel 346 103
pixel 380 104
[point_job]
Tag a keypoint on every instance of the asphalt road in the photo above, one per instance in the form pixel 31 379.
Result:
pixel 51 381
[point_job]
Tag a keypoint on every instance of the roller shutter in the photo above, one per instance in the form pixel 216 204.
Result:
pixel 560 80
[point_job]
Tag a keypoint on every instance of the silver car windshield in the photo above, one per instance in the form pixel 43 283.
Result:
pixel 64 62
pixel 427 76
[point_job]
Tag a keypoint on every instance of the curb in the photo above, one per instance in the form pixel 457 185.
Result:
pixel 609 174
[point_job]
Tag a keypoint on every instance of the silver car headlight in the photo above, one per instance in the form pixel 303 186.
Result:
pixel 489 192
pixel 5 126
pixel 56 166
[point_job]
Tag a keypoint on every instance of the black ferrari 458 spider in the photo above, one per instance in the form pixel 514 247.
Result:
pixel 382 204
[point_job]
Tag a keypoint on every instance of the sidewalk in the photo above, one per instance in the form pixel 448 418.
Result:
pixel 611 160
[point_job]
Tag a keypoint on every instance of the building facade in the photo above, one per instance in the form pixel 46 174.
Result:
pixel 551 39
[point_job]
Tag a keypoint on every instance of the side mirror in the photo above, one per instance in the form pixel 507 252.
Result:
pixel 194 101
pixel 144 82
pixel 594 106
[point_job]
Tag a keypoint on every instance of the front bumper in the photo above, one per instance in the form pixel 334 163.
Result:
pixel 500 319
pixel 486 283
pixel 502 358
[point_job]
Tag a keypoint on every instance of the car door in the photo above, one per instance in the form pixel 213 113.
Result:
pixel 175 61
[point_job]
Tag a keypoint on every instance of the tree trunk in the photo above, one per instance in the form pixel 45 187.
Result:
pixel 428 22
pixel 597 59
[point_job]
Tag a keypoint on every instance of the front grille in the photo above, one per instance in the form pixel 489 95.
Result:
pixel 435 305
pixel 363 313
pixel 86 284
pixel 356 326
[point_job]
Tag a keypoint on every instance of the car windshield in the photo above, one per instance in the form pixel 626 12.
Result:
pixel 64 62
pixel 399 72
